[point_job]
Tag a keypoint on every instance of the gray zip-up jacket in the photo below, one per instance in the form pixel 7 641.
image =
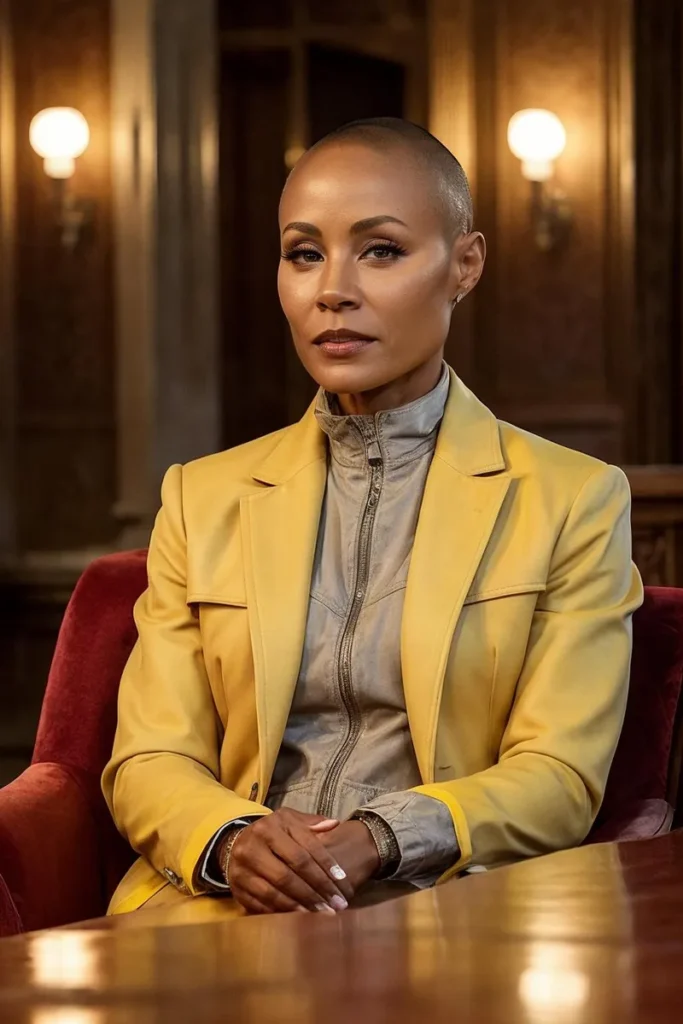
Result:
pixel 347 744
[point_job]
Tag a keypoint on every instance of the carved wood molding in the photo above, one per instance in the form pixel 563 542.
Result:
pixel 654 552
pixel 657 518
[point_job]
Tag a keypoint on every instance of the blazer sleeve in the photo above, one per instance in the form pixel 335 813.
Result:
pixel 547 786
pixel 161 784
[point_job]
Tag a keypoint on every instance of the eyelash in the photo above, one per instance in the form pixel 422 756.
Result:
pixel 392 247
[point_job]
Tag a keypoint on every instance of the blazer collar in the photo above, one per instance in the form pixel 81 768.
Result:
pixel 469 440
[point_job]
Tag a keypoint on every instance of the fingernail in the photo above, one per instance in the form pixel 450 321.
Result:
pixel 323 908
pixel 302 910
pixel 338 873
pixel 338 903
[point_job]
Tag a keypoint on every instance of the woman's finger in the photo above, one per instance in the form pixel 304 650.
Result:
pixel 324 860
pixel 249 903
pixel 300 876
pixel 324 826
pixel 268 895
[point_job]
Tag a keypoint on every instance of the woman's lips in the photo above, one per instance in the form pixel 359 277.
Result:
pixel 342 343
pixel 342 348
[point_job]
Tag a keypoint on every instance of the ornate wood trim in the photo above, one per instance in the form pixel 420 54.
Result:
pixel 657 520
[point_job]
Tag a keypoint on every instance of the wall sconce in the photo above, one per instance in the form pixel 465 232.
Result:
pixel 538 138
pixel 60 135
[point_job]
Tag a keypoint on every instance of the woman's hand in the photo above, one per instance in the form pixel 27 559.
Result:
pixel 352 845
pixel 279 864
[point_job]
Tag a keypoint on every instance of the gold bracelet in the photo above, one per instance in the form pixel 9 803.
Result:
pixel 226 850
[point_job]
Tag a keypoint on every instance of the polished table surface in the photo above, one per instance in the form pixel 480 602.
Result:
pixel 582 937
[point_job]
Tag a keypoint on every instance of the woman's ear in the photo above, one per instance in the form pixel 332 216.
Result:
pixel 469 256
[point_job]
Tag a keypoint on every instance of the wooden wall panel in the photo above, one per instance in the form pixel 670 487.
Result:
pixel 659 188
pixel 7 239
pixel 550 54
pixel 65 431
pixel 548 342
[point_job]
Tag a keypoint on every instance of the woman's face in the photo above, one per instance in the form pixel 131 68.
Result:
pixel 366 255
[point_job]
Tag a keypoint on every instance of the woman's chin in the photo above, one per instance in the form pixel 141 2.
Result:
pixel 348 377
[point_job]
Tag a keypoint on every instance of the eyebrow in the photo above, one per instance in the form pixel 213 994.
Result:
pixel 356 229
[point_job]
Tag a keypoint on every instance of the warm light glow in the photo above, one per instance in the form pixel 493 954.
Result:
pixel 67 1015
pixel 59 135
pixel 65 960
pixel 553 984
pixel 537 138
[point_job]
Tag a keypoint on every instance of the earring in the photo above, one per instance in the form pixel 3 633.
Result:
pixel 460 297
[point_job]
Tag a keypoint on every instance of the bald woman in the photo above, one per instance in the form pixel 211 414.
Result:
pixel 392 641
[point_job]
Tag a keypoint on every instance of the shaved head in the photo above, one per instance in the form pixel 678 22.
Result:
pixel 382 133
pixel 376 240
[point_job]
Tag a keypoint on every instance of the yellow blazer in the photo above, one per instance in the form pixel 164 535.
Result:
pixel 515 643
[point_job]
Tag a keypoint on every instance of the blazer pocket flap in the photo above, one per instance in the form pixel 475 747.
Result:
pixel 232 600
pixel 494 592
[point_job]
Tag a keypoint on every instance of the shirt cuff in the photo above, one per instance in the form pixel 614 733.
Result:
pixel 424 832
pixel 210 876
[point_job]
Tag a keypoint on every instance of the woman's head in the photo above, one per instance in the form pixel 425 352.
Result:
pixel 376 230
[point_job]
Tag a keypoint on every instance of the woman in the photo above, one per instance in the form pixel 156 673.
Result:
pixel 393 640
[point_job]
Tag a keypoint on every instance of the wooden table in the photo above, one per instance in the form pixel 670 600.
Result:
pixel 590 936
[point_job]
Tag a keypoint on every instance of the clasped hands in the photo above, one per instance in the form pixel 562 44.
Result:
pixel 290 861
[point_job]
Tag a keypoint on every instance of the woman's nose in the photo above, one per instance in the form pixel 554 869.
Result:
pixel 335 300
pixel 337 290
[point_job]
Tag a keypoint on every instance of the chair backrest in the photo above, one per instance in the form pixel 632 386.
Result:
pixel 647 764
pixel 78 719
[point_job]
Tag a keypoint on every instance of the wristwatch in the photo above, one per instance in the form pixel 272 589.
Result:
pixel 385 841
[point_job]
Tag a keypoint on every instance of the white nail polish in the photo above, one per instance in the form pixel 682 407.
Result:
pixel 324 908
pixel 338 873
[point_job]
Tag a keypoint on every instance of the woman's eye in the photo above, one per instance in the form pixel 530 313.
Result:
pixel 384 253
pixel 302 256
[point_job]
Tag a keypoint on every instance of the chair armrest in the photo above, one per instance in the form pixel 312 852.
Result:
pixel 49 850
pixel 643 819
pixel 10 922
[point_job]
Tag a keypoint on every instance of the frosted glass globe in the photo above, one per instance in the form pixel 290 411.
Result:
pixel 59 135
pixel 537 138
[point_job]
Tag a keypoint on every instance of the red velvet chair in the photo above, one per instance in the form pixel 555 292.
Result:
pixel 60 855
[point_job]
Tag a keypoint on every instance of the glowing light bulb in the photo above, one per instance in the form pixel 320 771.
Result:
pixel 537 138
pixel 59 135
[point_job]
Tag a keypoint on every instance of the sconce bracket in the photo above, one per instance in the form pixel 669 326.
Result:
pixel 551 216
pixel 73 214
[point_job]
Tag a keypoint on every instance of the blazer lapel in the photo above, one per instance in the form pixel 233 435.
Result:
pixel 279 533
pixel 463 496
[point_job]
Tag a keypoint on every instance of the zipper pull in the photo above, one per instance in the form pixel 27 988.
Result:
pixel 254 791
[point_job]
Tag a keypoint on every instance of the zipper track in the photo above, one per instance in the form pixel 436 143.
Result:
pixel 343 671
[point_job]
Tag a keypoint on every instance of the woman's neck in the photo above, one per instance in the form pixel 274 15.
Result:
pixel 403 391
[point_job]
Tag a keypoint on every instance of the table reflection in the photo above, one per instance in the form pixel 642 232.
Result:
pixel 68 959
pixel 553 981
pixel 68 1015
